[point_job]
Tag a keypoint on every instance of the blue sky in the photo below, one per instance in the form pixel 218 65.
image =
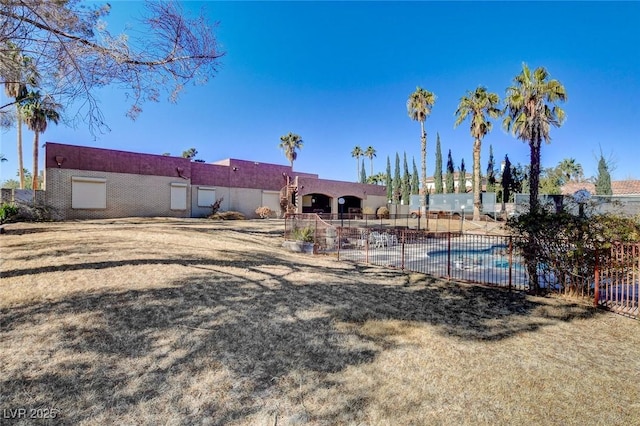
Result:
pixel 339 74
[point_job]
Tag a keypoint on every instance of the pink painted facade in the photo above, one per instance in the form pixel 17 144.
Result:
pixel 243 174
pixel 335 188
pixel 107 160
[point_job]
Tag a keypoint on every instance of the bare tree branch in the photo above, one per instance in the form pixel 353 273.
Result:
pixel 75 53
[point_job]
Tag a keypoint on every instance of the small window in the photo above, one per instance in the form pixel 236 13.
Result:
pixel 88 193
pixel 206 196
pixel 178 196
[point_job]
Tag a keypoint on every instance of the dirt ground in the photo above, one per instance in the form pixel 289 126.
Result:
pixel 191 321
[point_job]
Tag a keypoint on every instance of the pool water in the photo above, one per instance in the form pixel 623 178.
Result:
pixel 491 256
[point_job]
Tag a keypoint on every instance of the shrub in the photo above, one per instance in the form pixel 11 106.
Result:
pixel 306 234
pixel 264 212
pixel 216 206
pixel 568 244
pixel 383 212
pixel 229 215
pixel 368 210
pixel 27 212
pixel 8 212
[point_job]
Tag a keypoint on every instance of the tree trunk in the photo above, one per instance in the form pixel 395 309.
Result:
pixel 423 153
pixel 477 185
pixel 34 180
pixel 20 158
pixel 534 179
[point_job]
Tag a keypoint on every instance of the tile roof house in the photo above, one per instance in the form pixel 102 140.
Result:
pixel 618 187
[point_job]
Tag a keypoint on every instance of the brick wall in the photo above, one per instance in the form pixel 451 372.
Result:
pixel 127 195
pixel 140 184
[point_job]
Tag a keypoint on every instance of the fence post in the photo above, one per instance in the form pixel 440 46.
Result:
pixel 339 233
pixel 448 255
pixel 402 249
pixel 510 260
pixel 366 249
pixel 596 284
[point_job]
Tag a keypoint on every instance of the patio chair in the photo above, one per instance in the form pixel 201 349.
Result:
pixel 378 240
pixel 362 239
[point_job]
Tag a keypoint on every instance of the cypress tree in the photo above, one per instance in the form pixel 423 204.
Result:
pixel 506 181
pixel 406 182
pixel 388 180
pixel 603 181
pixel 491 173
pixel 449 184
pixel 437 175
pixel 363 174
pixel 415 181
pixel 462 179
pixel 397 182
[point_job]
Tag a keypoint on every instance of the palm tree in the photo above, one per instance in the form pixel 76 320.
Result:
pixel 38 111
pixel 3 159
pixel 357 153
pixel 290 143
pixel 531 110
pixel 419 107
pixel 571 170
pixel 370 152
pixel 479 106
pixel 190 153
pixel 377 179
pixel 23 73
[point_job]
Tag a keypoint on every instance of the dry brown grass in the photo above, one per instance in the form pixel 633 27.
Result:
pixel 161 321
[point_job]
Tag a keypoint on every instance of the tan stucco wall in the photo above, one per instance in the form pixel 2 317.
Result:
pixel 242 200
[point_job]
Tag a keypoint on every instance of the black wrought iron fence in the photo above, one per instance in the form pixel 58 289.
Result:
pixel 618 280
pixel 485 259
pixel 609 277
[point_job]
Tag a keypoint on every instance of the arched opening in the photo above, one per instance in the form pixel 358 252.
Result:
pixel 316 203
pixel 352 205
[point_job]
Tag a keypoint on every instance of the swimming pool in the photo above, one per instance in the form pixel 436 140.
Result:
pixel 495 255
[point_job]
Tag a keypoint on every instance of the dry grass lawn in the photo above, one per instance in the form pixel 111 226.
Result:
pixel 164 321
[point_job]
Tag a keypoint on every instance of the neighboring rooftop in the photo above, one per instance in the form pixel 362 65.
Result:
pixel 618 187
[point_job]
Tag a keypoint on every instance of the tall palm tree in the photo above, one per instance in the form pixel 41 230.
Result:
pixel 419 107
pixel 15 86
pixel 479 106
pixel 290 143
pixel 370 152
pixel 531 110
pixel 357 153
pixel 38 111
